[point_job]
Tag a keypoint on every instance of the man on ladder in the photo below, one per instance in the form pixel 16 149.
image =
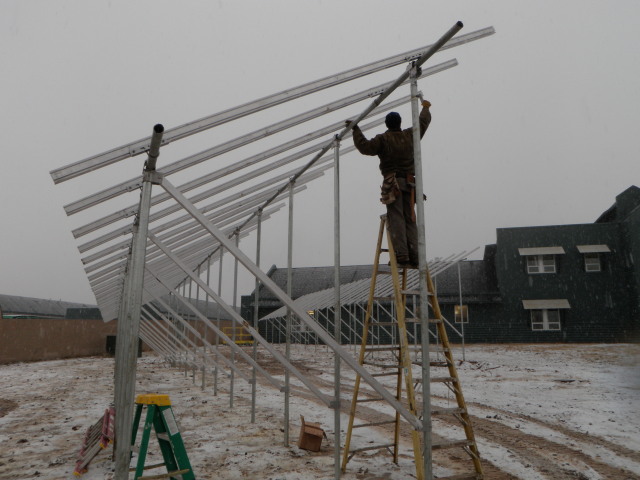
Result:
pixel 394 148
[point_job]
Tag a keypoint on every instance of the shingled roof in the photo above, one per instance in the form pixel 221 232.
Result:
pixel 12 304
pixel 311 279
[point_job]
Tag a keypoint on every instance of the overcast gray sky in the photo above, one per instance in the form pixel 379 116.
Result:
pixel 537 125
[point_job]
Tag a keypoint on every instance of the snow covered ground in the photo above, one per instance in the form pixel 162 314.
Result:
pixel 539 412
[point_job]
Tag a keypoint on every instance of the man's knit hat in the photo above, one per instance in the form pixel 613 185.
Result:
pixel 393 120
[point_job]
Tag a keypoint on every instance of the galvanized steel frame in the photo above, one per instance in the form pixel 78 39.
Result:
pixel 176 258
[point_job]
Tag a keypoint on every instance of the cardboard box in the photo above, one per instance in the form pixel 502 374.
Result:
pixel 310 436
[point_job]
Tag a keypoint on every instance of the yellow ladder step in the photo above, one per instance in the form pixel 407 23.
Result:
pixel 464 476
pixel 432 321
pixel 384 374
pixel 446 411
pixel 415 292
pixel 369 400
pixel 374 424
pixel 382 349
pixel 373 447
pixel 384 299
pixel 442 379
pixel 380 365
pixel 450 444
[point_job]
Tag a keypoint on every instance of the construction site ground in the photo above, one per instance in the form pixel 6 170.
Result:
pixel 562 411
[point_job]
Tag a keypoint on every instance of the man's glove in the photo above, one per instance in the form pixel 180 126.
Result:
pixel 348 123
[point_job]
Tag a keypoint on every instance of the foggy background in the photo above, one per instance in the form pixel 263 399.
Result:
pixel 537 125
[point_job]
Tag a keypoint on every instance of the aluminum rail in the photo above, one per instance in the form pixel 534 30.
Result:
pixel 107 287
pixel 218 189
pixel 151 338
pixel 200 337
pixel 184 235
pixel 179 240
pixel 179 346
pixel 247 326
pixel 222 335
pixel 250 161
pixel 228 146
pixel 192 255
pixel 134 148
pixel 97 241
pixel 267 183
pixel 268 283
pixel 238 199
pixel 106 274
pixel 380 98
pixel 102 283
pixel 156 328
pixel 191 246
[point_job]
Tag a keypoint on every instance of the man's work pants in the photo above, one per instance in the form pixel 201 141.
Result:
pixel 403 229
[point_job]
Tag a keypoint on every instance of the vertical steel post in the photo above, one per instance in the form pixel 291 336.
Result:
pixel 129 323
pixel 461 312
pixel 422 259
pixel 337 307
pixel 185 363
pixel 204 333
pixel 215 372
pixel 233 327
pixel 256 303
pixel 287 347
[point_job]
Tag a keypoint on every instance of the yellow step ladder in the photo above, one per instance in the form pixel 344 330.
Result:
pixel 398 363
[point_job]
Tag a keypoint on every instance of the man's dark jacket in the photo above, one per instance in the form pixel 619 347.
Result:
pixel 393 147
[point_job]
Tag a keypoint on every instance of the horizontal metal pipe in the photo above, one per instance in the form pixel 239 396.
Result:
pixel 250 161
pixel 154 257
pixel 111 156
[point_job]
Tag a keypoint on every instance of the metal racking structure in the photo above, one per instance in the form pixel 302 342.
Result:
pixel 167 251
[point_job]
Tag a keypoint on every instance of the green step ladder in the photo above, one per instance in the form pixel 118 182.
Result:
pixel 160 418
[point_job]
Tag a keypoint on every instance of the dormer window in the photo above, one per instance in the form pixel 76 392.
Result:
pixel 545 314
pixel 592 256
pixel 541 259
pixel 541 264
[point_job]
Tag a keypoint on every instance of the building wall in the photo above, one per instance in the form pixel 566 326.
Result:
pixel 36 339
pixel 485 324
pixel 599 300
pixel 631 235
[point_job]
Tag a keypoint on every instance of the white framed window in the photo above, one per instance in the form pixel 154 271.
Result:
pixel 461 313
pixel 592 262
pixel 545 320
pixel 541 264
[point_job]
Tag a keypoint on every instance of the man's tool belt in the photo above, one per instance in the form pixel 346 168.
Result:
pixel 389 189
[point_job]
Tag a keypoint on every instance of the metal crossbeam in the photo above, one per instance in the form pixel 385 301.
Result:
pixel 226 147
pixel 267 282
pixel 238 319
pixel 134 148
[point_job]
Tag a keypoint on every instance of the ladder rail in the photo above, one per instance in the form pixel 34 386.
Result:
pixel 361 355
pixel 400 352
pixel 405 359
pixel 453 372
